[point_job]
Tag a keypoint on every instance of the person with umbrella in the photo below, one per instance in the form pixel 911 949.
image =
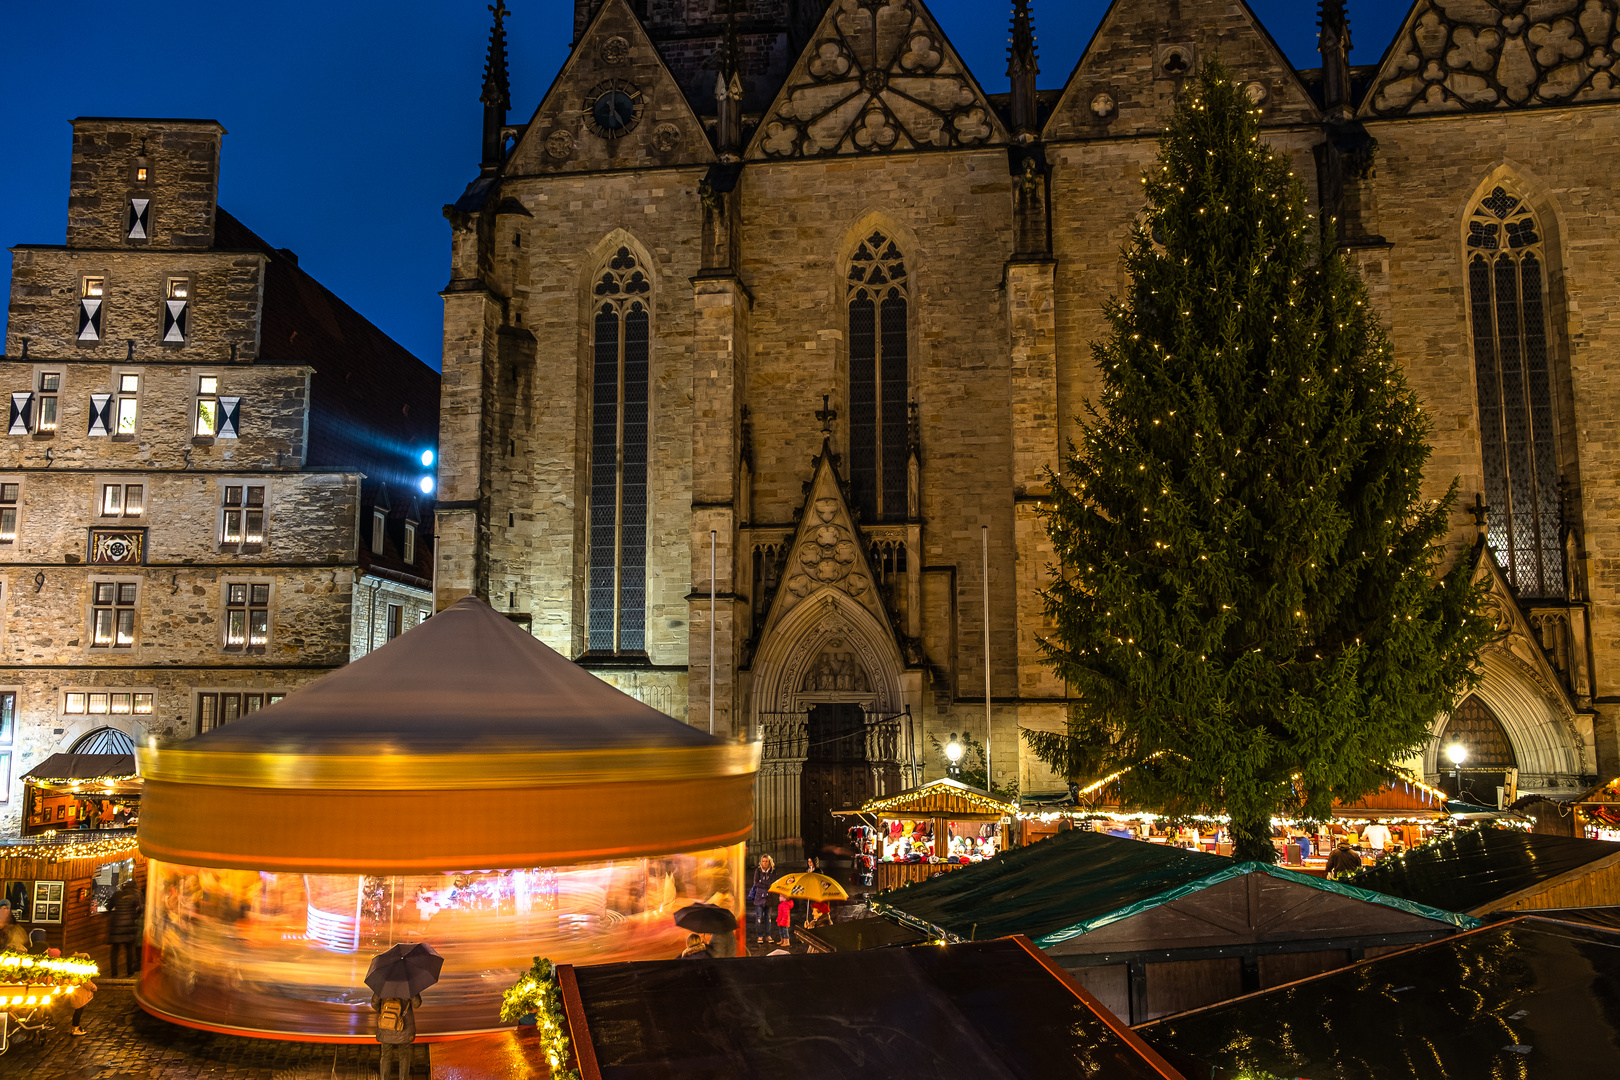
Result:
pixel 811 887
pixel 710 919
pixel 397 979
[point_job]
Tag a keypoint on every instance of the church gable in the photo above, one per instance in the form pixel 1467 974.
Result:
pixel 878 75
pixel 1469 55
pixel 826 553
pixel 615 105
pixel 1126 82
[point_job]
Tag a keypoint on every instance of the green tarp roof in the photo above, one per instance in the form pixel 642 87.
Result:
pixel 1528 998
pixel 1480 866
pixel 1076 882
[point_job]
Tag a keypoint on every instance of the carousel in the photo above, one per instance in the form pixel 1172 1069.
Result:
pixel 463 786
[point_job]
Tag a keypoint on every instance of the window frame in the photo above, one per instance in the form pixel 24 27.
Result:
pixel 886 429
pixel 134 693
pixel 118 582
pixel 248 606
pixel 42 395
pixel 409 554
pixel 242 545
pixel 98 508
pixel 182 319
pixel 379 531
pixel 16 507
pixel 91 320
pixel 266 696
pixel 394 622
pixel 198 397
pixel 120 396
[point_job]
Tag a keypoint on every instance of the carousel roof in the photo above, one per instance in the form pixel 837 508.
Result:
pixel 463 742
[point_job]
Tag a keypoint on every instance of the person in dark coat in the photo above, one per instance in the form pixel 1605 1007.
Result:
pixel 1343 861
pixel 759 895
pixel 13 938
pixel 124 929
pixel 397 1046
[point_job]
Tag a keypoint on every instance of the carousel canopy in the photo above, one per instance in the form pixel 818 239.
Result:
pixel 464 742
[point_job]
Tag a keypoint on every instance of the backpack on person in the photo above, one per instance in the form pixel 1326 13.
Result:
pixel 391 1018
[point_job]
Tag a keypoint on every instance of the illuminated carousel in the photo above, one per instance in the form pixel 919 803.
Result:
pixel 463 786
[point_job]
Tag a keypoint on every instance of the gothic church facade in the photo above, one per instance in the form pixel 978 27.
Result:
pixel 786 277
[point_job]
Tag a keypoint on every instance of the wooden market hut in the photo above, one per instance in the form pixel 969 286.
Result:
pixel 1152 930
pixel 1524 997
pixel 64 886
pixel 79 791
pixel 962 1012
pixel 1486 870
pixel 941 802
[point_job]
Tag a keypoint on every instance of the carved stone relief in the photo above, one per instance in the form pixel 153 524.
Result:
pixel 826 557
pixel 836 669
pixel 1467 55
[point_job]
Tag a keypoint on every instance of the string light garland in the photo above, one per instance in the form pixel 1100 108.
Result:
pixel 537 993
pixel 44 846
pixel 906 800
pixel 31 982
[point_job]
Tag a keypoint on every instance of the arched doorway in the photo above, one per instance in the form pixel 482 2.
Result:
pixel 1488 757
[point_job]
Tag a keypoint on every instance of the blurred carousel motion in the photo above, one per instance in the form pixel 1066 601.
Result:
pixel 463 786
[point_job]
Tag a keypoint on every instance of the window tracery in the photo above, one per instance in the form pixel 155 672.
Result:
pixel 621 341
pixel 1473 726
pixel 1513 377
pixel 879 377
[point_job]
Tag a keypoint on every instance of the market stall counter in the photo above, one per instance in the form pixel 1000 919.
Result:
pixel 64 884
pixel 933 829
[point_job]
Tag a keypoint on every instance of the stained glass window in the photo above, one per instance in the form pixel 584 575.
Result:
pixel 879 378
pixel 616 587
pixel 1512 369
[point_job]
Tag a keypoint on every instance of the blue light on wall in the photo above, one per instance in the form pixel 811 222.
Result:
pixel 426 485
pixel 427 459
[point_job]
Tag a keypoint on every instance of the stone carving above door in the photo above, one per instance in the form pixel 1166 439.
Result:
pixel 827 555
pixel 838 668
pixel 1470 55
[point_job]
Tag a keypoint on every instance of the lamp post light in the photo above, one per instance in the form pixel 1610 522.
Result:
pixel 1457 753
pixel 953 755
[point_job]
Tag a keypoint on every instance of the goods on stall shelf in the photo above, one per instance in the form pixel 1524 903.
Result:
pixel 927 830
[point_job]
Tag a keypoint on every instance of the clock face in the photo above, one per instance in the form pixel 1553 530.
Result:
pixel 613 108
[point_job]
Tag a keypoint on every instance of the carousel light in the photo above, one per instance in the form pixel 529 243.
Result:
pixel 1457 753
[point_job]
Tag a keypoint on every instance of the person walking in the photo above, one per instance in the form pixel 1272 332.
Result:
pixel 124 928
pixel 79 997
pixel 759 895
pixel 396 1031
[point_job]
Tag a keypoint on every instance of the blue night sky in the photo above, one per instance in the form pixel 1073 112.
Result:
pixel 352 124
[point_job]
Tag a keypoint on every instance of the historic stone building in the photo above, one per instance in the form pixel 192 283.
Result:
pixel 196 431
pixel 786 276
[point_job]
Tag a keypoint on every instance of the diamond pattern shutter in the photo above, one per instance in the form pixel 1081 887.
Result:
pixel 21 410
pixel 138 218
pixel 90 318
pixel 100 414
pixel 174 321
pixel 230 412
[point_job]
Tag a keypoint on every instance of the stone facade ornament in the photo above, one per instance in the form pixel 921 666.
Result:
pixel 560 145
pixel 666 137
pixel 615 51
pixel 1468 55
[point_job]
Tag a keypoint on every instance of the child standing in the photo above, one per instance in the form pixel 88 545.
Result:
pixel 784 920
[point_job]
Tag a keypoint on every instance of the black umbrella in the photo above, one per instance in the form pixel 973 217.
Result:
pixel 404 971
pixel 706 919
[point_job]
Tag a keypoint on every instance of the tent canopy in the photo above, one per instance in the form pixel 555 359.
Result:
pixel 464 742
pixel 963 1012
pixel 1528 997
pixel 1080 881
pixel 66 768
pixel 1475 869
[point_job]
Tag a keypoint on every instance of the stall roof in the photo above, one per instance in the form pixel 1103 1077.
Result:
pixel 1528 997
pixel 873 933
pixel 65 768
pixel 990 1010
pixel 1080 881
pixel 1476 869
pixel 939 798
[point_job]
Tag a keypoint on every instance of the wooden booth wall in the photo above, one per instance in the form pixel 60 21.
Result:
pixel 81 929
pixel 1596 884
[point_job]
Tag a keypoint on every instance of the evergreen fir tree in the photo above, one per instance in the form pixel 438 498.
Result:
pixel 1248 614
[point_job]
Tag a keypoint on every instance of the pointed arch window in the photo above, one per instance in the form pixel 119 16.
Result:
pixel 879 378
pixel 1474 726
pixel 1507 288
pixel 621 339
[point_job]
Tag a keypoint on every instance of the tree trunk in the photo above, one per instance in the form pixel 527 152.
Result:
pixel 1251 838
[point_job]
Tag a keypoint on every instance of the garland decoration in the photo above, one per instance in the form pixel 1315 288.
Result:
pixel 537 992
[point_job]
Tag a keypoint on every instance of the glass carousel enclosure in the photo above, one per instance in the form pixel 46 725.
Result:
pixel 546 815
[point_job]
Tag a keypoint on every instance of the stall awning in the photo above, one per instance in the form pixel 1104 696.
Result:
pixel 944 798
pixel 66 768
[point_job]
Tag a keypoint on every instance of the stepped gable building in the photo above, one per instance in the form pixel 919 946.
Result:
pixel 198 434
pixel 837 312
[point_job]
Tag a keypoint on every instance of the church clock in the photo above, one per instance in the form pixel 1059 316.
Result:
pixel 613 108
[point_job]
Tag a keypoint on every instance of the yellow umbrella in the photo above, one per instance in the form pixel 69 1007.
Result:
pixel 818 887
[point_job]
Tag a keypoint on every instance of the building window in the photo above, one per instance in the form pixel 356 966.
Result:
pixel 1513 376
pixel 106 702
pixel 217 707
pixel 174 311
pixel 879 378
pixel 90 290
pixel 396 621
pixel 140 211
pixel 379 531
pixel 112 614
pixel 9 492
pixel 123 500
pixel 410 543
pixel 8 716
pixel 617 597
pixel 247 615
pixel 241 519
pixel 129 403
pixel 50 386
pixel 207 411
pixel 1474 726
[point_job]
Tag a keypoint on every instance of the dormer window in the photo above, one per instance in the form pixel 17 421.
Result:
pixel 379 525
pixel 410 543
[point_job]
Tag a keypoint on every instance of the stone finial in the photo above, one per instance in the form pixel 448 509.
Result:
pixel 728 91
pixel 826 414
pixel 1334 45
pixel 1022 67
pixel 497 94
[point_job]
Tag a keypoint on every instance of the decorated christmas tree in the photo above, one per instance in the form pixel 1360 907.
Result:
pixel 1250 612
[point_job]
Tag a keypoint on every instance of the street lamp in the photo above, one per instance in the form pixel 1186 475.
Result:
pixel 953 754
pixel 1457 753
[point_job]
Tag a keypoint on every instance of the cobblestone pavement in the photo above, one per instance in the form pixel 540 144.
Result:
pixel 124 1043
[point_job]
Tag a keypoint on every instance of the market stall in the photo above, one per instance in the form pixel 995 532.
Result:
pixel 64 884
pixel 82 792
pixel 463 786
pixel 933 829
pixel 30 986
